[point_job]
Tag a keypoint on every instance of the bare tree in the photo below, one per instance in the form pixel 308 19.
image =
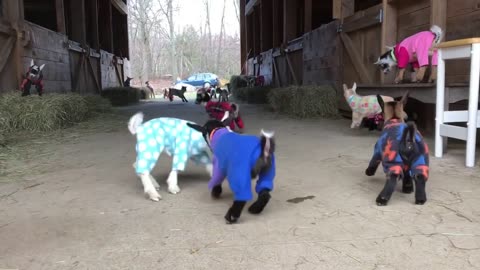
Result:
pixel 166 6
pixel 220 37
pixel 236 4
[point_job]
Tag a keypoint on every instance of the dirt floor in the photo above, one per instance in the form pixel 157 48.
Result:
pixel 77 204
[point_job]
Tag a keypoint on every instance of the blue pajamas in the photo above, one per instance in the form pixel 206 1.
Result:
pixel 176 138
pixel 234 157
pixel 386 151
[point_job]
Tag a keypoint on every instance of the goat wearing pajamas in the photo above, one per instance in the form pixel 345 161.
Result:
pixel 403 154
pixel 175 138
pixel 240 158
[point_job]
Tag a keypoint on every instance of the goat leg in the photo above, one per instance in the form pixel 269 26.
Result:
pixel 386 194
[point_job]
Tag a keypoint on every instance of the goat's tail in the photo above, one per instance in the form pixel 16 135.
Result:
pixel 264 162
pixel 408 136
pixel 438 32
pixel 135 122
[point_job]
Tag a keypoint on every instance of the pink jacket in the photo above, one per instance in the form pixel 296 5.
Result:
pixel 415 49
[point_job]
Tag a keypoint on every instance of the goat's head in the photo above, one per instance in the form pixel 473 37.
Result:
pixel 35 71
pixel 210 126
pixel 393 109
pixel 349 92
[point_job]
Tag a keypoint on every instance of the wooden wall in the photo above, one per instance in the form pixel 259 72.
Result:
pixel 413 17
pixel 463 21
pixel 48 47
pixel 112 75
pixel 321 56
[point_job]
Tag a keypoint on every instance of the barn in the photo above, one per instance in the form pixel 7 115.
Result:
pixel 83 43
pixel 333 42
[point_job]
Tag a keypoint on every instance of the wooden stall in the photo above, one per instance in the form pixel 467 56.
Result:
pixel 83 43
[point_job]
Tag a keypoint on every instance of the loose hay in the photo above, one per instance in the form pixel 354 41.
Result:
pixel 305 101
pixel 237 82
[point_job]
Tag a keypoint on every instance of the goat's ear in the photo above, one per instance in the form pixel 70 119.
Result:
pixel 378 62
pixel 405 98
pixel 32 63
pixel 345 88
pixel 196 127
pixel 354 87
pixel 41 67
pixel 381 102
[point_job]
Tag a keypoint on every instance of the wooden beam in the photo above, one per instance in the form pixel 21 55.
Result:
pixel 276 32
pixel 243 36
pixel 337 9
pixel 289 20
pixel 348 8
pixel 368 18
pixel 59 10
pixel 308 16
pixel 355 57
pixel 93 12
pixel 438 14
pixel 79 32
pixel 121 6
pixel 389 34
pixel 266 25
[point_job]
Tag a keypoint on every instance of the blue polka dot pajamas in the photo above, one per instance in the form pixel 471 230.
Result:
pixel 172 136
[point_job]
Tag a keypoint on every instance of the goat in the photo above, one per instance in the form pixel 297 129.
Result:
pixel 402 152
pixel 179 93
pixel 240 158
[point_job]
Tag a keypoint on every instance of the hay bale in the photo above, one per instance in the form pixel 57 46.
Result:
pixel 122 96
pixel 237 82
pixel 253 95
pixel 305 101
pixel 34 113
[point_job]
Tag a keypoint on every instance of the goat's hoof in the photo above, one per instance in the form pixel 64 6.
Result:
pixel 381 201
pixel 370 171
pixel 154 196
pixel 216 192
pixel 173 189
pixel 407 189
pixel 420 202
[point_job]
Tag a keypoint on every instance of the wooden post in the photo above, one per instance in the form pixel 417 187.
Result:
pixel 289 20
pixel 94 21
pixel 243 37
pixel 79 32
pixel 308 16
pixel 389 34
pixel 267 25
pixel 13 12
pixel 59 10
pixel 276 32
pixel 438 14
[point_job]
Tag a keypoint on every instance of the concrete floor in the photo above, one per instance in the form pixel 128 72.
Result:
pixel 89 212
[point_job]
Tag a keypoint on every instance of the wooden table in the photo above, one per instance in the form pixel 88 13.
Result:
pixel 458 49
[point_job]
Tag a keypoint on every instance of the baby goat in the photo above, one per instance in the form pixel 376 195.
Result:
pixel 240 158
pixel 402 152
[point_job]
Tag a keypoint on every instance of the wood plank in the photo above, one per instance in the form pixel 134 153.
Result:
pixel 120 6
pixel 243 36
pixel 292 70
pixel 59 10
pixel 411 6
pixel 389 34
pixel 355 57
pixel 458 42
pixel 419 17
pixel 369 18
pixel 459 8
